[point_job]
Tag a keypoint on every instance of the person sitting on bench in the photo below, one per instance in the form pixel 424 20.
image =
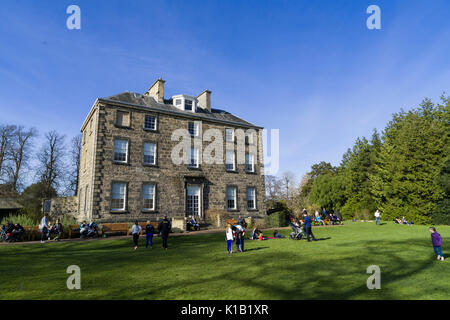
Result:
pixel 16 234
pixel 56 229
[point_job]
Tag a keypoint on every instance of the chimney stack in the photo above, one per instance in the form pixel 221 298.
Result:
pixel 204 100
pixel 157 90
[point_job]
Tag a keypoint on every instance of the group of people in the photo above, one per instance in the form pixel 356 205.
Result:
pixel 12 232
pixel 237 233
pixel 403 221
pixel 88 230
pixel 47 229
pixel 164 228
pixel 320 218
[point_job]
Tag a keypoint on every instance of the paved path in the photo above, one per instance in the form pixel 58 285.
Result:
pixel 191 233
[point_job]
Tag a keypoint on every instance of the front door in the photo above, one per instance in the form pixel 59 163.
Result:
pixel 193 202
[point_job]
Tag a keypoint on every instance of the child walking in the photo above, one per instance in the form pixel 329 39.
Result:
pixel 436 239
pixel 229 236
pixel 149 230
pixel 135 230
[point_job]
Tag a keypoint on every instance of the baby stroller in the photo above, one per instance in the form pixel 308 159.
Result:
pixel 3 235
pixel 297 233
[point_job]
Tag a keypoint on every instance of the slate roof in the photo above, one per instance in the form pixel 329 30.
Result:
pixel 9 203
pixel 139 100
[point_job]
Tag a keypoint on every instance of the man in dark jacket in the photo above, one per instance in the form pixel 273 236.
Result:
pixel 16 234
pixel 307 227
pixel 164 229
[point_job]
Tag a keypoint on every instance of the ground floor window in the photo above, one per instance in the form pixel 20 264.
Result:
pixel 118 196
pixel 231 198
pixel 251 198
pixel 148 196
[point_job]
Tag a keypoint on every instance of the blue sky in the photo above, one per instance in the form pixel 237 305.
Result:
pixel 309 68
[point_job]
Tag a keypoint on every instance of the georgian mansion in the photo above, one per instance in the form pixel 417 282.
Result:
pixel 144 156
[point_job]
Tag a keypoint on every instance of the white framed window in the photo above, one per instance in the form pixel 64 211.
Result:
pixel 250 138
pixel 194 128
pixel 150 122
pixel 178 102
pixel 148 196
pixel 118 196
pixel 193 157
pixel 120 150
pixel 251 198
pixel 249 162
pixel 149 153
pixel 123 119
pixel 188 105
pixel 229 135
pixel 231 198
pixel 230 161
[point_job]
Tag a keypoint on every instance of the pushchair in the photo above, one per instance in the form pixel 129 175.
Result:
pixel 3 235
pixel 297 233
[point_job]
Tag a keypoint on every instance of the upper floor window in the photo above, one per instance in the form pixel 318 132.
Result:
pixel 231 198
pixel 229 161
pixel 178 102
pixel 118 196
pixel 123 119
pixel 188 105
pixel 150 122
pixel 193 128
pixel 193 157
pixel 149 153
pixel 120 150
pixel 148 196
pixel 251 198
pixel 249 162
pixel 229 135
pixel 250 137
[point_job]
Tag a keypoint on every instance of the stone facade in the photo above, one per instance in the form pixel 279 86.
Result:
pixel 98 170
pixel 63 206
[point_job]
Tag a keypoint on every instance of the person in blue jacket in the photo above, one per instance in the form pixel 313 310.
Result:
pixel 307 226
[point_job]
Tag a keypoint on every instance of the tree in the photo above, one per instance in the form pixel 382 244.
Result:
pixel 414 152
pixel 20 154
pixel 32 198
pixel 75 156
pixel 287 185
pixel 51 162
pixel 6 135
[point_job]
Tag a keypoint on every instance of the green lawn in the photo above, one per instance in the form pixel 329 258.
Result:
pixel 198 267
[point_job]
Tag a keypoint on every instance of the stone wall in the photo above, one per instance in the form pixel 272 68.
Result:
pixel 63 206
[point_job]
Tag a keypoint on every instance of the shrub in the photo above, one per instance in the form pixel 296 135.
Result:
pixel 276 219
pixel 22 219
pixel 363 214
pixel 442 213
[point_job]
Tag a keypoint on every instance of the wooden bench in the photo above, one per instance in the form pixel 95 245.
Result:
pixel 74 229
pixel 231 221
pixel 143 224
pixel 115 227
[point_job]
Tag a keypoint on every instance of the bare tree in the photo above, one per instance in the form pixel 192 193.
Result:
pixel 6 136
pixel 75 156
pixel 20 154
pixel 288 184
pixel 51 162
pixel 273 188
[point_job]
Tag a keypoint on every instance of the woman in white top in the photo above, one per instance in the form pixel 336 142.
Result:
pixel 229 235
pixel 44 228
pixel 135 231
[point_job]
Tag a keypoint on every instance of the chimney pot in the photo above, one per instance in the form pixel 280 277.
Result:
pixel 157 90
pixel 204 100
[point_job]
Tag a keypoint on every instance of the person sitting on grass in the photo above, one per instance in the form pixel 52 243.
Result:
pixel 436 240
pixel 404 221
pixel 277 235
pixel 398 221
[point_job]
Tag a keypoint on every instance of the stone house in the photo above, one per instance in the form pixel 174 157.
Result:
pixel 129 168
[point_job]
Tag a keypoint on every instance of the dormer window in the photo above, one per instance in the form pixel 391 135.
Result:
pixel 185 102
pixel 188 105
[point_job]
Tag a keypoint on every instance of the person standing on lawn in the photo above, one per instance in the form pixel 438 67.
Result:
pixel 229 236
pixel 164 229
pixel 135 231
pixel 240 229
pixel 436 239
pixel 377 217
pixel 307 227
pixel 43 226
pixel 149 230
